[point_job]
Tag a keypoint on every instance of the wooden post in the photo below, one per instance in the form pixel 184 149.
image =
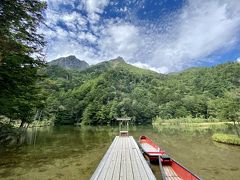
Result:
pixel 122 122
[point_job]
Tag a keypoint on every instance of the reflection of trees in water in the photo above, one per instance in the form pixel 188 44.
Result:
pixel 68 138
pixel 46 144
pixel 95 135
pixel 39 135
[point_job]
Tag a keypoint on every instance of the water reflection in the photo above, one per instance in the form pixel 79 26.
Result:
pixel 74 152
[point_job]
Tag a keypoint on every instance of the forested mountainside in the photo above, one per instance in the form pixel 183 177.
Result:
pixel 115 89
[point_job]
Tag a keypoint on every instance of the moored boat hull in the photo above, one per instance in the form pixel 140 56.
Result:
pixel 150 150
pixel 170 169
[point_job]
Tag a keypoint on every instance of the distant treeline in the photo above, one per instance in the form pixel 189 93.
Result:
pixel 117 89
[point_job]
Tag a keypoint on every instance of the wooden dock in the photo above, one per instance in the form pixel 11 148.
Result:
pixel 123 160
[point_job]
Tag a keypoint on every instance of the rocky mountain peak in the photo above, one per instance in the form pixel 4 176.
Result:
pixel 70 62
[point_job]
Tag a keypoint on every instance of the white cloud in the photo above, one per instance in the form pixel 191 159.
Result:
pixel 238 59
pixel 61 33
pixel 54 4
pixel 119 39
pixel 66 47
pixel 87 36
pixel 73 17
pixel 94 8
pixel 203 28
pixel 197 31
pixel 162 70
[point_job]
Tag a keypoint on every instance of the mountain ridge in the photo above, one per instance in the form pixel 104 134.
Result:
pixel 115 88
pixel 70 62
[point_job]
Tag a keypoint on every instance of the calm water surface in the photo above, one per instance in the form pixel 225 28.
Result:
pixel 74 153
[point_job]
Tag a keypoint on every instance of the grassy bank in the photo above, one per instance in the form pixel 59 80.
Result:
pixel 190 122
pixel 227 138
pixel 187 120
pixel 191 125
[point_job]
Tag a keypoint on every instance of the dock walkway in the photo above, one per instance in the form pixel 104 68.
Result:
pixel 123 160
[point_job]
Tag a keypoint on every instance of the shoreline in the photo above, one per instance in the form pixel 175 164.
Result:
pixel 230 139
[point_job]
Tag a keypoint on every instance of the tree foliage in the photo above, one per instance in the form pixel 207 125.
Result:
pixel 114 88
pixel 18 28
pixel 19 39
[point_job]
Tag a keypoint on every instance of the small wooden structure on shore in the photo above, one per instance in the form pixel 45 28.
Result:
pixel 123 159
pixel 122 122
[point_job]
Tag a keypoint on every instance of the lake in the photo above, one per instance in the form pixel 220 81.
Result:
pixel 68 152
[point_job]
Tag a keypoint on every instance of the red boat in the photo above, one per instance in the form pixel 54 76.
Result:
pixel 150 149
pixel 170 169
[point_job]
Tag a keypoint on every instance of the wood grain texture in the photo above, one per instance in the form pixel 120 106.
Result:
pixel 123 160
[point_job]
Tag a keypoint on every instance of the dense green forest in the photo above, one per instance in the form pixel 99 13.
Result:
pixel 114 88
pixel 33 91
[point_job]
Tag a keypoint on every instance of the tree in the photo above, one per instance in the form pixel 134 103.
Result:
pixel 88 114
pixel 19 40
pixel 18 28
pixel 231 108
pixel 196 105
pixel 104 91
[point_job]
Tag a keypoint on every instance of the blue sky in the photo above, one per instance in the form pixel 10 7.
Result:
pixel 162 35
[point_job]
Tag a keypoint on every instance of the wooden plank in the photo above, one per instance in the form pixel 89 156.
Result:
pixel 146 167
pixel 173 178
pixel 107 163
pixel 166 170
pixel 128 161
pixel 117 168
pixel 123 173
pixel 135 170
pixel 169 171
pixel 147 147
pixel 142 171
pixel 123 160
pixel 170 174
pixel 102 162
pixel 114 161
